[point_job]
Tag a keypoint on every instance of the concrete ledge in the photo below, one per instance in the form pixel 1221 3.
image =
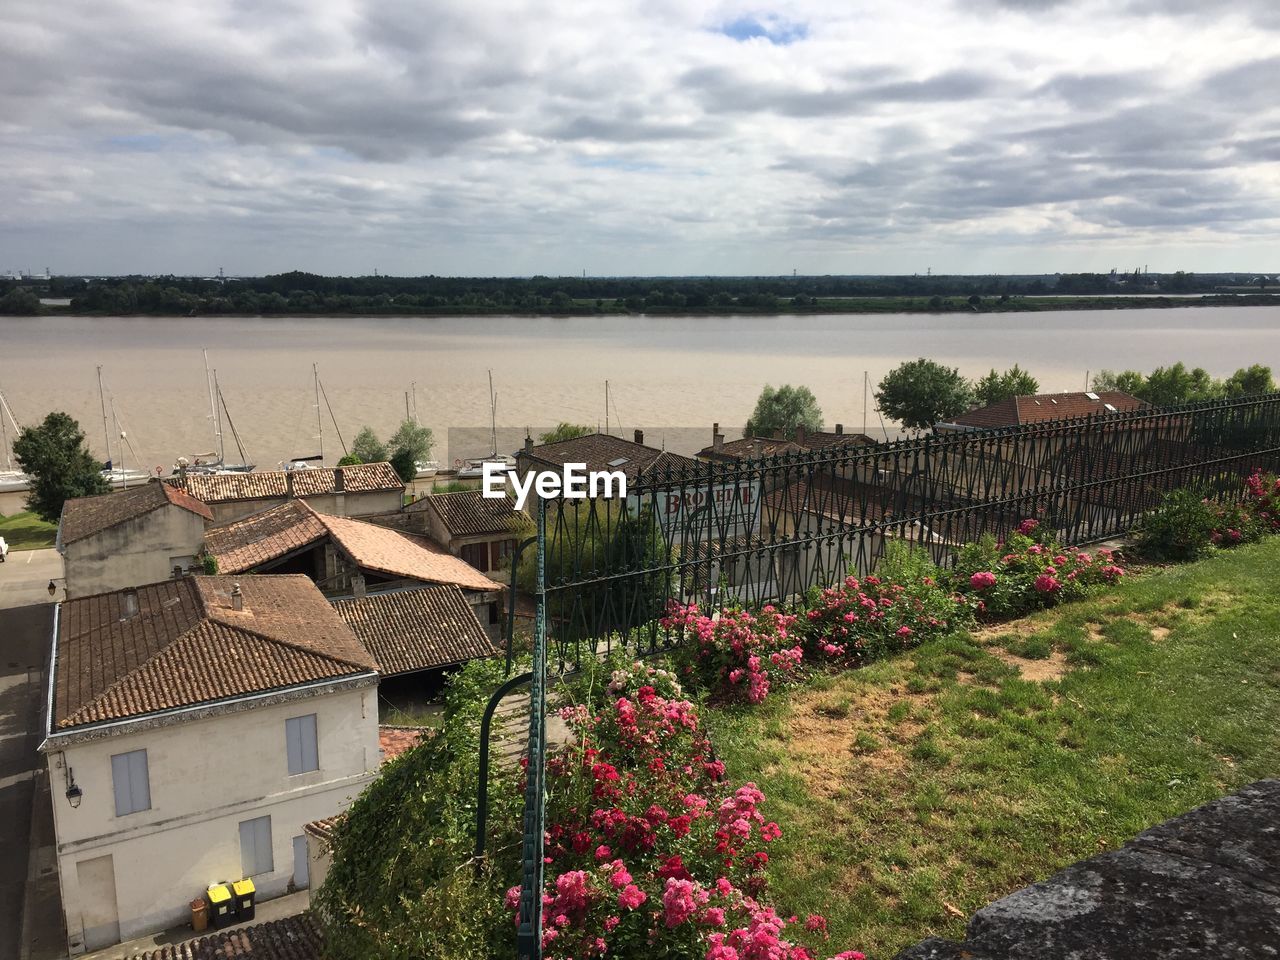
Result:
pixel 1205 884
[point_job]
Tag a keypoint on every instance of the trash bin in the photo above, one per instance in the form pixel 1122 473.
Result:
pixel 221 906
pixel 199 915
pixel 245 896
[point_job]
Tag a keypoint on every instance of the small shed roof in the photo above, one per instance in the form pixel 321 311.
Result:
pixel 83 517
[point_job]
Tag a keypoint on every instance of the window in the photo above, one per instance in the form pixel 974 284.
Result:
pixel 476 554
pixel 131 783
pixel 505 549
pixel 300 738
pixel 255 847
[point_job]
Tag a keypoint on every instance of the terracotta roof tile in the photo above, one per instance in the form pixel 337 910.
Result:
pixel 1048 406
pixel 398 554
pixel 278 484
pixel 748 448
pixel 409 630
pixel 602 451
pixel 468 513
pixel 257 539
pixel 289 938
pixel 186 645
pixel 393 741
pixel 85 516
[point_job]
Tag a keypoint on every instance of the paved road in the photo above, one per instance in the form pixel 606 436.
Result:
pixel 26 617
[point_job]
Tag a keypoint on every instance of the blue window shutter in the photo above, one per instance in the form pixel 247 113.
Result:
pixel 139 780
pixel 293 743
pixel 310 749
pixel 300 739
pixel 120 783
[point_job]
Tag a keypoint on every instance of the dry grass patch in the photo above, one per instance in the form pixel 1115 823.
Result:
pixel 1046 670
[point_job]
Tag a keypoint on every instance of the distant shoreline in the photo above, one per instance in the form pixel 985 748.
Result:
pixel 850 305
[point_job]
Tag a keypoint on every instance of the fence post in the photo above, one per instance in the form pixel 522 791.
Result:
pixel 529 925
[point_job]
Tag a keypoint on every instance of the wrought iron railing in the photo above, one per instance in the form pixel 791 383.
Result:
pixel 768 529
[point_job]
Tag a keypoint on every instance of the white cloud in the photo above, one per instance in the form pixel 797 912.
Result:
pixel 508 138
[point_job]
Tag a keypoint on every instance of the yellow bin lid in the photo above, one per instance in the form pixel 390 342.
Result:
pixel 241 887
pixel 218 892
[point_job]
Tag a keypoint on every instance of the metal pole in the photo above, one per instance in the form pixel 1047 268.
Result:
pixel 482 790
pixel 511 600
pixel 529 928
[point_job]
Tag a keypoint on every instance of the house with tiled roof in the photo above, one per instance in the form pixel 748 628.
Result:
pixel 756 448
pixel 195 725
pixel 604 452
pixel 345 556
pixel 358 490
pixel 1043 407
pixel 483 531
pixel 298 937
pixel 129 537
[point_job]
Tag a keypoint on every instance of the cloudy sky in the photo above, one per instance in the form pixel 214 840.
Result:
pixel 655 137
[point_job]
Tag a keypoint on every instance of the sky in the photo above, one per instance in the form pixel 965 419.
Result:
pixel 657 137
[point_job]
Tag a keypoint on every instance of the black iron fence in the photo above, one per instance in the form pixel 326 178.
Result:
pixel 768 529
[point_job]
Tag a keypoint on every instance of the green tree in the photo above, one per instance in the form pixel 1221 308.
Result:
pixel 413 439
pixel 405 464
pixel 564 431
pixel 920 393
pixel 350 460
pixel 782 410
pixel 20 302
pixel 1014 382
pixel 1126 381
pixel 368 447
pixel 1250 381
pixel 1176 384
pixel 56 457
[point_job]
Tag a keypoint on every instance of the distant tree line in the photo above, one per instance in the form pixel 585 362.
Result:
pixel 309 293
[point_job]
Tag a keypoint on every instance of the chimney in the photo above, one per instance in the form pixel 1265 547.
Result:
pixel 717 438
pixel 801 434
pixel 237 598
pixel 288 484
pixel 357 585
pixel 777 435
pixel 639 436
pixel 339 480
pixel 528 443
pixel 839 429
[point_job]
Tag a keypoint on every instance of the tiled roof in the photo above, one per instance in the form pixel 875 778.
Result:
pixel 398 554
pixel 393 741
pixel 186 645
pixel 469 513
pixel 1048 406
pixel 749 448
pixel 277 484
pixel 289 938
pixel 275 533
pixel 602 451
pixel 84 516
pixel 821 440
pixel 323 829
pixel 254 540
pixel 409 630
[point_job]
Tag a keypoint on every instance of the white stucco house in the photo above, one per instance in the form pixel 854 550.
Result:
pixel 129 537
pixel 195 726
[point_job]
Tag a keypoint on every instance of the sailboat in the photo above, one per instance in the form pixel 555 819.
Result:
pixel 117 476
pixel 302 463
pixel 216 462
pixel 475 467
pixel 425 468
pixel 12 480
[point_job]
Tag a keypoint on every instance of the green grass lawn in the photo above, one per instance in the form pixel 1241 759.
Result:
pixel 917 790
pixel 26 531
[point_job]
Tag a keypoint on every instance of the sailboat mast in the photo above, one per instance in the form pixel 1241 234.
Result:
pixel 406 406
pixel 124 477
pixel 493 417
pixel 217 419
pixel 106 427
pixel 4 435
pixel 413 386
pixel 864 402
pixel 213 406
pixel 315 373
pixel 606 406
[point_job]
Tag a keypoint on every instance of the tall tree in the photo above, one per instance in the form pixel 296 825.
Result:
pixel 1177 384
pixel 564 431
pixel 1126 381
pixel 61 467
pixel 367 447
pixel 413 439
pixel 1014 382
pixel 920 393
pixel 782 410
pixel 1250 381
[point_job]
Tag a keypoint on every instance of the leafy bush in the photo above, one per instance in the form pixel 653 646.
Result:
pixel 1180 529
pixel 649 852
pixel 1029 571
pixel 736 654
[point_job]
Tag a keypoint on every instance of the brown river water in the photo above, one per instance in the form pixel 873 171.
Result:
pixel 670 376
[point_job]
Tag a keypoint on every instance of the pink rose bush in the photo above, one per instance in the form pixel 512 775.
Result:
pixel 1253 517
pixel 737 654
pixel 649 850
pixel 1029 571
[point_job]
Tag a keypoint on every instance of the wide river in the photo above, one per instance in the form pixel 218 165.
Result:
pixel 671 376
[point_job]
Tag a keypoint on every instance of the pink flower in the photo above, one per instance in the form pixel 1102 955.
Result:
pixel 982 580
pixel 1047 584
pixel 631 897
pixel 1028 527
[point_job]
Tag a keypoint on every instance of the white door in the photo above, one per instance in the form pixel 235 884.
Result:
pixel 99 915
pixel 301 864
